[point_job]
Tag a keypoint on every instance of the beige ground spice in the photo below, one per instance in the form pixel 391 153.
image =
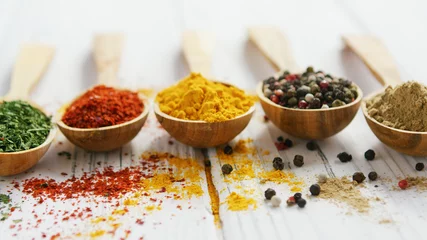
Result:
pixel 420 183
pixel 403 107
pixel 344 190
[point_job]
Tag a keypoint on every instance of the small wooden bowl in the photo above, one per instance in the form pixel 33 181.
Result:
pixel 104 138
pixel 12 163
pixel 202 134
pixel 407 142
pixel 310 123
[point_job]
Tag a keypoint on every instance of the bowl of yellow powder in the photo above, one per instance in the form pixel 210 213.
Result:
pixel 203 113
pixel 398 117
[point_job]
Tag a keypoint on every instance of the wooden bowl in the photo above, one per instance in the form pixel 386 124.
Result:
pixel 407 142
pixel 310 123
pixel 12 163
pixel 104 138
pixel 202 134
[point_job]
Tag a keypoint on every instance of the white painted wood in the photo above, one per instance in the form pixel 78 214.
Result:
pixel 152 58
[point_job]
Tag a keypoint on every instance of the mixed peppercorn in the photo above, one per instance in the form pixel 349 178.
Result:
pixel 309 90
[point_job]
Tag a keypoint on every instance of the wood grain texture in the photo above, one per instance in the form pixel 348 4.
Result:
pixel 202 134
pixel 309 124
pixel 31 64
pixel 376 57
pixel 275 47
pixel 197 47
pixel 107 52
pixel 105 138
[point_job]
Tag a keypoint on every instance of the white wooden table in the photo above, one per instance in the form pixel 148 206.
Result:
pixel 152 59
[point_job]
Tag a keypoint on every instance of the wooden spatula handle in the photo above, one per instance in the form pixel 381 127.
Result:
pixel 275 47
pixel 107 52
pixel 197 47
pixel 376 57
pixel 31 63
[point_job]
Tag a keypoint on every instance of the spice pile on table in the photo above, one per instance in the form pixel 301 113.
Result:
pixel 197 98
pixel 401 107
pixel 22 126
pixel 309 90
pixel 103 106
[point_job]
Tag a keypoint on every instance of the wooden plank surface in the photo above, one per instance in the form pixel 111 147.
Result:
pixel 152 59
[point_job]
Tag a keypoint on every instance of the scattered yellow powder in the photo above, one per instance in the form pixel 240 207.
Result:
pixel 278 176
pixel 343 190
pixel 146 91
pixel 196 98
pixel 265 153
pixel 97 233
pixel 213 194
pixel 193 190
pixel 150 208
pixel 245 172
pixel 119 212
pixel 237 202
pixel 98 220
pixel 130 202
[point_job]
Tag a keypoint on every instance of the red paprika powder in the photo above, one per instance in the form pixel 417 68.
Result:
pixel 103 106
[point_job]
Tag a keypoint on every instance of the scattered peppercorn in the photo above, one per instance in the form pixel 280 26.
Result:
pixel 280 139
pixel 269 193
pixel 372 176
pixel 315 189
pixel 309 90
pixel 226 168
pixel 276 201
pixel 297 196
pixel 278 163
pixel 370 155
pixel 288 142
pixel 298 160
pixel 301 202
pixel 403 184
pixel 291 201
pixel 228 150
pixel 311 145
pixel 419 166
pixel 280 146
pixel 359 177
pixel 344 157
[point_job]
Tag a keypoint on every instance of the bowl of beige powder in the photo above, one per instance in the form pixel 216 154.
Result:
pixel 398 117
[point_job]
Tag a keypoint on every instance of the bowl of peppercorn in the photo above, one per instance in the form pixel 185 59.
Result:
pixel 309 105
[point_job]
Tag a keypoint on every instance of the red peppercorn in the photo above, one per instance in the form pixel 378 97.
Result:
pixel 274 99
pixel 403 184
pixel 281 146
pixel 302 104
pixel 291 200
pixel 324 84
pixel 291 77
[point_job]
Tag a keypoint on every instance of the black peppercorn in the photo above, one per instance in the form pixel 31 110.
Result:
pixel 301 203
pixel 419 166
pixel 278 163
pixel 311 146
pixel 297 196
pixel 298 160
pixel 344 157
pixel 269 193
pixel 359 177
pixel 370 155
pixel 280 139
pixel 228 150
pixel 226 168
pixel 288 142
pixel 315 189
pixel 372 176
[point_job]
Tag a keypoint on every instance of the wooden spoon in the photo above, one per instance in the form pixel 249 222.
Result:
pixel 31 64
pixel 197 47
pixel 107 54
pixel 301 123
pixel 380 62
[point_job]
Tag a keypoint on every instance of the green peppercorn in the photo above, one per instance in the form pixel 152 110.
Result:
pixel 269 193
pixel 337 103
pixel 372 176
pixel 298 160
pixel 314 88
pixel 359 177
pixel 291 93
pixel 311 145
pixel 278 163
pixel 310 70
pixel 315 189
pixel 228 150
pixel 292 101
pixel 419 166
pixel 301 203
pixel 370 155
pixel 226 168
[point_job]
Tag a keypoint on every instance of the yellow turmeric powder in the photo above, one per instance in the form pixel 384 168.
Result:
pixel 238 202
pixel 196 98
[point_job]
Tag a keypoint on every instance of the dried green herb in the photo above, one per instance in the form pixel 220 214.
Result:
pixel 5 199
pixel 22 126
pixel 65 153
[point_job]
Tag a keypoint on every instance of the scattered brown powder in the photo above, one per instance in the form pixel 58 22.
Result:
pixel 343 190
pixel 403 107
pixel 420 183
pixel 385 221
